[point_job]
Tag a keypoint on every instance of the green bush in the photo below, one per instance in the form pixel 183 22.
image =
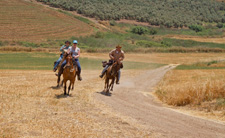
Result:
pixel 220 25
pixel 148 44
pixel 196 28
pixel 139 30
pixel 152 31
pixel 112 23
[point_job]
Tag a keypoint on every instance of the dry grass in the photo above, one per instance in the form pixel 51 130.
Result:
pixel 201 89
pixel 26 21
pixel 30 106
pixel 220 40
pixel 164 58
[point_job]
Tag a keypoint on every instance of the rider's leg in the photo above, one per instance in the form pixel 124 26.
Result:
pixel 104 70
pixel 79 70
pixel 118 77
pixel 57 63
pixel 61 68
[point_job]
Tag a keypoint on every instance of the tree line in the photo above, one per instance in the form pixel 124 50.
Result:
pixel 169 13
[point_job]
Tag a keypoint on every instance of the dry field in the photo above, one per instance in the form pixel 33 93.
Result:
pixel 220 40
pixel 196 89
pixel 31 106
pixel 164 58
pixel 26 21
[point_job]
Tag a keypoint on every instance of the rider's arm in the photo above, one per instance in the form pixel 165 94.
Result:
pixel 111 55
pixel 77 55
pixel 122 56
pixel 61 49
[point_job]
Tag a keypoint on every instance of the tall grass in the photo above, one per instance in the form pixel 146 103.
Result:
pixel 193 93
pixel 204 89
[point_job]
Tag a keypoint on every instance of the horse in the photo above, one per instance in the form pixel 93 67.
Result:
pixel 59 70
pixel 69 73
pixel 111 74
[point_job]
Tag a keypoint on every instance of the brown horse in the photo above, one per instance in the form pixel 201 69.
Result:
pixel 111 74
pixel 59 70
pixel 69 73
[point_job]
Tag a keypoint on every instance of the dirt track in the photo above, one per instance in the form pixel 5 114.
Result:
pixel 133 98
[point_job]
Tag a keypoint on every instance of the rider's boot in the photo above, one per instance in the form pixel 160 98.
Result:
pixel 54 70
pixel 103 72
pixel 60 72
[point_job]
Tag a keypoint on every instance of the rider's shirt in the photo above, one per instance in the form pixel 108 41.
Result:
pixel 116 54
pixel 74 51
pixel 66 48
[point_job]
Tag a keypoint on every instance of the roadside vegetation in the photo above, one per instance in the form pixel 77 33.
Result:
pixel 198 86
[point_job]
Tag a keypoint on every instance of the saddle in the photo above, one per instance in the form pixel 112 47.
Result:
pixel 109 63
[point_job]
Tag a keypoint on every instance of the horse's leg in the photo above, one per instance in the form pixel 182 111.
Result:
pixel 62 83
pixel 107 82
pixel 64 87
pixel 112 84
pixel 73 82
pixel 58 81
pixel 69 88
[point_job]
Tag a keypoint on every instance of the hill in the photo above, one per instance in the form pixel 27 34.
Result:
pixel 170 13
pixel 26 21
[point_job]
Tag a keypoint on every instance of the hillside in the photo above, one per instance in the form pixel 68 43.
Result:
pixel 25 21
pixel 169 13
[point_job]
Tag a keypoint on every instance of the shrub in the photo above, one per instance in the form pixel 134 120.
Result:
pixel 139 30
pixel 196 28
pixel 112 23
pixel 220 25
pixel 152 31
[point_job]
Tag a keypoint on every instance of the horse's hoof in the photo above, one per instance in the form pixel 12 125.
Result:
pixel 57 86
pixel 64 93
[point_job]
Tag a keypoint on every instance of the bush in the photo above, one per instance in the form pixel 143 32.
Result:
pixel 112 23
pixel 139 30
pixel 148 44
pixel 99 35
pixel 220 25
pixel 196 28
pixel 152 32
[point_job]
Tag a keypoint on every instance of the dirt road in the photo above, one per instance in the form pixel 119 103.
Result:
pixel 133 98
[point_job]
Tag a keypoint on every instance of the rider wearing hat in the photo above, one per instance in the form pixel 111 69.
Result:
pixel 62 49
pixel 115 55
pixel 75 54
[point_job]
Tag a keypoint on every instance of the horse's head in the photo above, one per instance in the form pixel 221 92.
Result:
pixel 115 68
pixel 69 61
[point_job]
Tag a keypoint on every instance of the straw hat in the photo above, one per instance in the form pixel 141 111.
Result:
pixel 118 46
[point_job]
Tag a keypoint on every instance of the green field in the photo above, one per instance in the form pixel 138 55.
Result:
pixel 44 61
pixel 203 65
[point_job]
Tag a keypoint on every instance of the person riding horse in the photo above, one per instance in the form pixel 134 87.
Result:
pixel 115 55
pixel 62 49
pixel 75 54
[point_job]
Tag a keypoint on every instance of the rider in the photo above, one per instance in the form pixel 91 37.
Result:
pixel 62 49
pixel 115 55
pixel 75 54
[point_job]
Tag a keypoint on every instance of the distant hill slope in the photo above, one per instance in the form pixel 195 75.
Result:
pixel 26 21
pixel 177 13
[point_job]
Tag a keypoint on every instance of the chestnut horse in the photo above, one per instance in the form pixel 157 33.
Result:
pixel 111 74
pixel 69 73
